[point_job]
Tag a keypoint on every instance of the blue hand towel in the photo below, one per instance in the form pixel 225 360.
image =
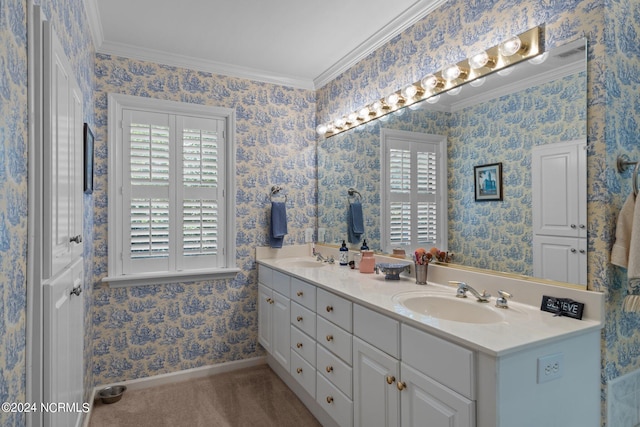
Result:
pixel 355 222
pixel 278 224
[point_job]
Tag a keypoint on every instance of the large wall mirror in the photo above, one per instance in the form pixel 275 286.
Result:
pixel 537 102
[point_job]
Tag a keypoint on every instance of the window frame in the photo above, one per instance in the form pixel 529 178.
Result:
pixel 227 269
pixel 440 141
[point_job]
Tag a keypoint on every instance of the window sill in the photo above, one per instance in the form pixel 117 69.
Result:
pixel 161 278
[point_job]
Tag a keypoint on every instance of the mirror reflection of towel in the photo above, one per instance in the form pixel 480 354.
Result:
pixel 355 222
pixel 278 227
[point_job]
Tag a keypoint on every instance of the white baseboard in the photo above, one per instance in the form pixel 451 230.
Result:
pixel 174 377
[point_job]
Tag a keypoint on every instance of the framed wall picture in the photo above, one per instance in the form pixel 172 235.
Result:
pixel 488 182
pixel 88 159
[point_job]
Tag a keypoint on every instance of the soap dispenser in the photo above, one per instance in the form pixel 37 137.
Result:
pixel 344 254
pixel 364 246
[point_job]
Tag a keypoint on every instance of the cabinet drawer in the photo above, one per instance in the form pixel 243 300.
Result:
pixel 281 282
pixel 335 370
pixel 334 402
pixel 303 293
pixel 334 308
pixel 265 275
pixel 334 339
pixel 303 319
pixel 304 345
pixel 441 360
pixel 304 373
pixel 378 330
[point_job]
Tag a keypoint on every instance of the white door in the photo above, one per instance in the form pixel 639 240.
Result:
pixel 265 315
pixel 376 399
pixel 63 342
pixel 558 186
pixel 281 331
pixel 560 258
pixel 426 402
pixel 62 270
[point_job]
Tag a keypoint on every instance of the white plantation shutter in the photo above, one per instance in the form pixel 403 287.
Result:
pixel 414 190
pixel 172 191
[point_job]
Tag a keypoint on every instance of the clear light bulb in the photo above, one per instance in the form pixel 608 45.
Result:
pixel 429 82
pixel 451 73
pixel 479 60
pixel 321 129
pixel 510 47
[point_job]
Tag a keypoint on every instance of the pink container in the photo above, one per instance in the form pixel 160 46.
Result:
pixel 368 262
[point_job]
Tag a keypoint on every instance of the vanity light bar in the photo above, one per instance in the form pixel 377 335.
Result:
pixel 511 51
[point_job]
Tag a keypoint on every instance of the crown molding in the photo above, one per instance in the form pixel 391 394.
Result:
pixel 409 17
pixel 176 60
pixel 95 25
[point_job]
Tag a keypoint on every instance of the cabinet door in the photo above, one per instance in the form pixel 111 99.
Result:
pixel 560 258
pixel 559 192
pixel 425 402
pixel 281 330
pixel 265 313
pixel 375 394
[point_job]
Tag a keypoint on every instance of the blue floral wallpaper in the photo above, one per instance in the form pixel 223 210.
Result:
pixel 148 330
pixel 143 331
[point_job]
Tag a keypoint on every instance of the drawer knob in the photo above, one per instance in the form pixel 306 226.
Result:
pixel 269 300
pixel 299 345
pixel 299 318
pixel 329 369
pixel 402 385
pixel 329 309
pixel 299 293
pixel 329 337
pixel 329 399
pixel 390 379
pixel 299 370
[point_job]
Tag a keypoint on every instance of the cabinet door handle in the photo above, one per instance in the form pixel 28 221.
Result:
pixel 269 300
pixel 329 309
pixel 299 318
pixel 329 399
pixel 573 226
pixel 390 379
pixel 401 385
pixel 329 337
pixel 582 251
pixel 76 291
pixel 299 293
pixel 299 345
pixel 573 250
pixel 76 239
pixel 582 226
pixel 329 369
pixel 299 370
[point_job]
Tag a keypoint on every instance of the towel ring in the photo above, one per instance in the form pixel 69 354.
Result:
pixel 352 192
pixel 275 190
pixel 623 164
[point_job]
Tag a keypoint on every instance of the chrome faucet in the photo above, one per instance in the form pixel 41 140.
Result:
pixel 461 292
pixel 501 302
pixel 329 260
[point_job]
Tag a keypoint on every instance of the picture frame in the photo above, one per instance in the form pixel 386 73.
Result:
pixel 88 159
pixel 488 182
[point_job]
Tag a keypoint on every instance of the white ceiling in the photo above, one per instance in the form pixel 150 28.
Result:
pixel 300 43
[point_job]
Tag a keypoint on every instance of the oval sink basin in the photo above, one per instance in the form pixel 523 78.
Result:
pixel 450 308
pixel 300 262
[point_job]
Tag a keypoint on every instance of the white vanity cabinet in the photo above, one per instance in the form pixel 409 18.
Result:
pixel 273 319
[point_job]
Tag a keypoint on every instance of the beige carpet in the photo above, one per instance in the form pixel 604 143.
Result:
pixel 252 397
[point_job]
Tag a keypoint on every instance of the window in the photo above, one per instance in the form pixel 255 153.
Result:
pixel 414 196
pixel 171 169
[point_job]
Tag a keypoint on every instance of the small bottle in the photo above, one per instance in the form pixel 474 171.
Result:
pixel 364 246
pixel 344 254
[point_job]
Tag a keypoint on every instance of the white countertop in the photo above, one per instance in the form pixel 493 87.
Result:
pixel 522 326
